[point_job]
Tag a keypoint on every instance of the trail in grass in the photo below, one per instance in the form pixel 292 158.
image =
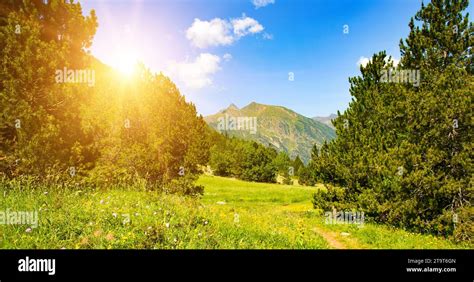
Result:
pixel 332 241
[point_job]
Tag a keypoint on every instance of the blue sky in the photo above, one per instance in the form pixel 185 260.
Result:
pixel 230 51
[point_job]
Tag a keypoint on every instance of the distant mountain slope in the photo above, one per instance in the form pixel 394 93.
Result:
pixel 326 120
pixel 277 126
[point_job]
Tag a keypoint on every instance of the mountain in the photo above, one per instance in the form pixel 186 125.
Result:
pixel 274 126
pixel 326 120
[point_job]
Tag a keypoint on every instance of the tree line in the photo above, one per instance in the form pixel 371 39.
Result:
pixel 251 161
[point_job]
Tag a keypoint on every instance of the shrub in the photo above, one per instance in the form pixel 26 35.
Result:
pixel 185 186
pixel 328 199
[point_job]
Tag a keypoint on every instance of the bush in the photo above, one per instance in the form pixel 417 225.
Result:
pixel 328 199
pixel 242 159
pixel 184 186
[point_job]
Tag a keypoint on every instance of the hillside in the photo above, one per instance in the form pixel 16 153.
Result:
pixel 277 126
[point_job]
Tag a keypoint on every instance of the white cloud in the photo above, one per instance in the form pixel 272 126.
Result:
pixel 363 61
pixel 216 32
pixel 262 3
pixel 196 74
pixel 221 32
pixel 246 25
pixel 227 57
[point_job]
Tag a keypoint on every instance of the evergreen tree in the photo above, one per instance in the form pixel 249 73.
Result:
pixel 40 124
pixel 403 151
pixel 297 164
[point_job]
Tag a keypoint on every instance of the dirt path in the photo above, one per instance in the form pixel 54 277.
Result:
pixel 330 238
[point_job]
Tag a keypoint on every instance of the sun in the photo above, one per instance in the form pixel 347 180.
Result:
pixel 125 61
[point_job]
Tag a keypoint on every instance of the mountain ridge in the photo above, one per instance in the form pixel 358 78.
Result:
pixel 276 126
pixel 326 120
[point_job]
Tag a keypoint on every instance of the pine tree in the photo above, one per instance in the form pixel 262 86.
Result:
pixel 297 164
pixel 403 152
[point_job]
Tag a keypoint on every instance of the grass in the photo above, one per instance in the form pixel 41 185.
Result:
pixel 231 214
pixel 276 207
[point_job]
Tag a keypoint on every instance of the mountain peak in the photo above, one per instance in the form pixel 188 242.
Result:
pixel 331 116
pixel 255 106
pixel 232 109
pixel 326 120
pixel 278 127
pixel 232 106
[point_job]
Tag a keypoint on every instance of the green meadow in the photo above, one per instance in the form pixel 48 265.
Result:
pixel 232 214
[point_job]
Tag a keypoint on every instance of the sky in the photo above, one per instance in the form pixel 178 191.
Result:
pixel 293 53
